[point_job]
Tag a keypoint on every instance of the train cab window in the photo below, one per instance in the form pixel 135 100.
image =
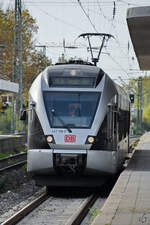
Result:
pixel 74 110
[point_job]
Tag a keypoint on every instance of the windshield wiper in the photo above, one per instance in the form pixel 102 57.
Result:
pixel 60 119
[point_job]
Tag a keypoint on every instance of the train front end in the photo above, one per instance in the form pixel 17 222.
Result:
pixel 68 105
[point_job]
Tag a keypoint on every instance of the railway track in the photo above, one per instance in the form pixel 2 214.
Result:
pixel 74 214
pixel 12 162
pixel 80 214
pixel 25 211
pixel 74 217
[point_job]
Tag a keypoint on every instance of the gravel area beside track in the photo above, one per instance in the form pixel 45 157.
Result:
pixel 17 190
pixel 12 179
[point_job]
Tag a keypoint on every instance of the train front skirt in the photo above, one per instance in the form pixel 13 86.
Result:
pixel 71 167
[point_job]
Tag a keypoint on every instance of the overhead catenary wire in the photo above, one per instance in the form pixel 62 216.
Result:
pixel 83 2
pixel 68 2
pixel 110 20
pixel 127 3
pixel 90 3
pixel 122 68
pixel 90 20
pixel 116 35
pixel 114 12
pixel 61 20
pixel 87 16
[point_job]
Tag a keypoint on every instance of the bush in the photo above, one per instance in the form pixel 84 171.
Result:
pixel 5 121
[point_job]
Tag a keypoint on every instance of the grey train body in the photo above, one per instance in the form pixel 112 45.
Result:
pixel 69 151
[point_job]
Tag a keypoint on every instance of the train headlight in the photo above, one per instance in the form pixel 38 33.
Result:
pixel 50 139
pixel 91 140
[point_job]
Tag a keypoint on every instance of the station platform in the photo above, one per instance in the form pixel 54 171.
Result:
pixel 12 143
pixel 129 201
pixel 7 86
pixel 2 137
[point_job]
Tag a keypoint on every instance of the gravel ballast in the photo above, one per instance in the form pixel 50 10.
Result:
pixel 17 190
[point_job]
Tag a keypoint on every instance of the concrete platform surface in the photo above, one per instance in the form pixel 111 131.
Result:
pixel 2 137
pixel 129 201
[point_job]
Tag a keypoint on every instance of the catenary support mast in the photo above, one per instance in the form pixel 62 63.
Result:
pixel 17 69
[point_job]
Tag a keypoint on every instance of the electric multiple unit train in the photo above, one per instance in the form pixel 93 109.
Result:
pixel 78 126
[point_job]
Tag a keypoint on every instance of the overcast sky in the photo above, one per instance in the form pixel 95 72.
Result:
pixel 67 19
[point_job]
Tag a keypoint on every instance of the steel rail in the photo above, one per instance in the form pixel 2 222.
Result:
pixel 80 214
pixel 26 210
pixel 12 162
pixel 13 156
pixel 16 165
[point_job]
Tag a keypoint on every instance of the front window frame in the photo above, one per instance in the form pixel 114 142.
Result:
pixel 64 124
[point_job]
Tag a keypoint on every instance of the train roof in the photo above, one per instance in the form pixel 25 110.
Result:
pixel 84 67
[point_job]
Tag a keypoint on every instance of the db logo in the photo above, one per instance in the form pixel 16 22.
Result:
pixel 70 138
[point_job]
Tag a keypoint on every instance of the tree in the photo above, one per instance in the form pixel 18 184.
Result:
pixel 33 60
pixel 146 117
pixel 133 86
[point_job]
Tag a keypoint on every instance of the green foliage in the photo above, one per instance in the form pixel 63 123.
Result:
pixel 94 212
pixel 133 87
pixel 146 102
pixel 5 121
pixel 3 155
pixel 146 117
pixel 33 59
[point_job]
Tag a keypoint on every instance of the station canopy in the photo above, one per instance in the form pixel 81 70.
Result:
pixel 138 20
pixel 7 86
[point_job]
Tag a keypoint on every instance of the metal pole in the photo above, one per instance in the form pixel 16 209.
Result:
pixel 139 105
pixel 14 78
pixel 20 61
pixel 17 69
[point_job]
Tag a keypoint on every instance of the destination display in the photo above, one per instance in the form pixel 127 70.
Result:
pixel 72 81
